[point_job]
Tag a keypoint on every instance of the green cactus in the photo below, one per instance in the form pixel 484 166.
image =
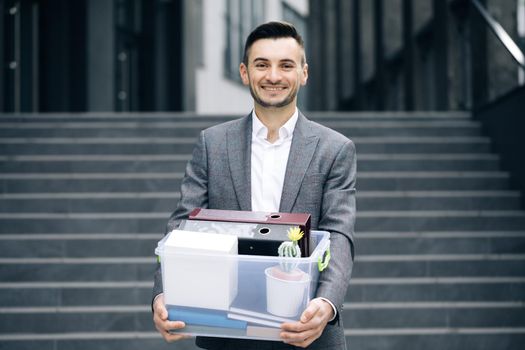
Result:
pixel 290 249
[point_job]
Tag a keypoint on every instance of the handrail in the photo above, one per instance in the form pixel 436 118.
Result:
pixel 501 34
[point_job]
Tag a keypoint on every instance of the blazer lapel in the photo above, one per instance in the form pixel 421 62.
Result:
pixel 301 152
pixel 239 158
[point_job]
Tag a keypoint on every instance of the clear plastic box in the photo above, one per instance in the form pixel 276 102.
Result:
pixel 240 296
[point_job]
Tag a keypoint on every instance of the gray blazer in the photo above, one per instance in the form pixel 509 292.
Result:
pixel 320 180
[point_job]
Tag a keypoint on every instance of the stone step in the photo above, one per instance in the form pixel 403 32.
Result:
pixel 436 200
pixel 218 118
pixel 416 289
pixel 166 116
pixel 85 197
pixel 373 339
pixel 442 220
pixel 141 268
pixel 68 185
pixel 450 338
pixel 490 242
pixel 110 145
pixel 122 269
pixel 83 202
pixel 177 163
pixel 126 318
pixel 415 144
pixel 350 128
pixel 429 162
pixel 432 180
pixel 130 318
pixel 76 245
pixel 63 183
pixel 166 201
pixel 83 222
pixel 439 265
pixel 397 289
pixel 139 222
pixel 184 145
pixel 93 293
pixel 94 163
pixel 404 315
pixel 91 340
pixel 319 117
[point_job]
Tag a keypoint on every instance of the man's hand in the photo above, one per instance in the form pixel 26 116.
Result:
pixel 311 325
pixel 163 325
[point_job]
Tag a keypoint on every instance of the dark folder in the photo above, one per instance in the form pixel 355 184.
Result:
pixel 260 233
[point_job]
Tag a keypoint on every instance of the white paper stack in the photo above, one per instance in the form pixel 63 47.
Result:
pixel 200 269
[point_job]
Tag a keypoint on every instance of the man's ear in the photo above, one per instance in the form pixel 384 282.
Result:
pixel 243 71
pixel 305 74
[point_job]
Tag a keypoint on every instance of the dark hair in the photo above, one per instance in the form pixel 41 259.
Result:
pixel 271 30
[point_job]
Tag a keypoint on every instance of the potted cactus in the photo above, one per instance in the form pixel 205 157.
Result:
pixel 290 249
pixel 286 284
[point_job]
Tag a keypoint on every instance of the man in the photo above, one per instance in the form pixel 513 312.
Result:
pixel 277 160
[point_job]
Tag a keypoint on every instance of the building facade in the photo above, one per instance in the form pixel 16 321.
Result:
pixel 130 55
pixel 412 54
pixel 183 55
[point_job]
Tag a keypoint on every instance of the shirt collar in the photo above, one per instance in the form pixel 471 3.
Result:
pixel 261 131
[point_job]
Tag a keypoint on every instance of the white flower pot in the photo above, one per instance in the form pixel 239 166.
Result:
pixel 285 297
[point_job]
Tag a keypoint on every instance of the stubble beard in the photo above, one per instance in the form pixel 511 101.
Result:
pixel 288 99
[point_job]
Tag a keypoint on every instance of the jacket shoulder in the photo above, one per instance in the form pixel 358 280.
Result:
pixel 222 128
pixel 328 135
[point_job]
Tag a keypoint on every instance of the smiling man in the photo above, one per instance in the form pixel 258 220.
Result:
pixel 276 160
pixel 274 69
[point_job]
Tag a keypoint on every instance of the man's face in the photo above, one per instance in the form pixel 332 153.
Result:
pixel 274 73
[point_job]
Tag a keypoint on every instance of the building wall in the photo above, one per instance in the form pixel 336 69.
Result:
pixel 215 93
pixel 410 54
pixel 170 55
pixel 502 69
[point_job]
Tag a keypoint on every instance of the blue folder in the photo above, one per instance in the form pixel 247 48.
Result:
pixel 203 317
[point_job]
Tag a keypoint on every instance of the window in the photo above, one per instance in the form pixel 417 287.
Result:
pixel 299 22
pixel 241 18
pixel 128 27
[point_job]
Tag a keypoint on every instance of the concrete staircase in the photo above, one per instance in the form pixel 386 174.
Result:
pixel 85 197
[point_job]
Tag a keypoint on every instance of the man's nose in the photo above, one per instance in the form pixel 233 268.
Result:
pixel 273 75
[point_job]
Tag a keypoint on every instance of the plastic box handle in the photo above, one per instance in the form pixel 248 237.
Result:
pixel 322 262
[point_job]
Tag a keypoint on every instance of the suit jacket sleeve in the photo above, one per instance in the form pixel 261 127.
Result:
pixel 338 217
pixel 194 194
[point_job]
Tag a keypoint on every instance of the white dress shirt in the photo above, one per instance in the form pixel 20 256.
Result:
pixel 269 167
pixel 269 163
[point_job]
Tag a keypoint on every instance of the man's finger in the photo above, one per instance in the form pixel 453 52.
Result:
pixel 171 337
pixel 163 313
pixel 299 339
pixel 159 308
pixel 295 327
pixel 310 311
pixel 166 328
